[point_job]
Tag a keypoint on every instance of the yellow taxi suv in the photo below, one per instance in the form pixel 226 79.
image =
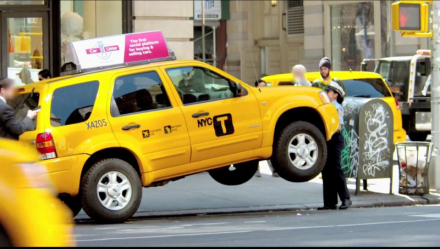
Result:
pixel 30 213
pixel 106 130
pixel 357 84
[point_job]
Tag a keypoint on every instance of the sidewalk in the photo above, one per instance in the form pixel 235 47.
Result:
pixel 200 194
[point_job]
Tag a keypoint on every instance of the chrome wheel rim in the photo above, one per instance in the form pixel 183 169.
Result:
pixel 114 190
pixel 303 151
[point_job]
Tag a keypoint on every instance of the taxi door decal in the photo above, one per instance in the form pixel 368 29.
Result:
pixel 223 125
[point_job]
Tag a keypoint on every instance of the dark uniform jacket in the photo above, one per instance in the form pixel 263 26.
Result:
pixel 10 126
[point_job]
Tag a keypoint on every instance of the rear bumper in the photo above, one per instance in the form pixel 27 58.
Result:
pixel 330 118
pixel 65 172
pixel 399 136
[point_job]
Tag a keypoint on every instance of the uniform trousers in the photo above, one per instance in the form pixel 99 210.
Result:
pixel 333 178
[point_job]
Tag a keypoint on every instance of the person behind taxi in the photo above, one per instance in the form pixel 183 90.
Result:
pixel 44 75
pixel 333 178
pixel 299 76
pixel 324 69
pixel 10 126
pixel 191 84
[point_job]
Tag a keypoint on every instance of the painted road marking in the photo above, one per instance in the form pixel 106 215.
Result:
pixel 256 221
pixel 247 231
pixel 427 215
pixel 162 236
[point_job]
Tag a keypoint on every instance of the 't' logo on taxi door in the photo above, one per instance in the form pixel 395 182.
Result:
pixel 223 125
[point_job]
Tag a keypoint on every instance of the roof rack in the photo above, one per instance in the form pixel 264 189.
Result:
pixel 117 51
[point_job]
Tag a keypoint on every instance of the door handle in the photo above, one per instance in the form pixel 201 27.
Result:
pixel 129 127
pixel 200 114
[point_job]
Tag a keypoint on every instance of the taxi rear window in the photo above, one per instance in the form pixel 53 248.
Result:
pixel 73 104
pixel 23 103
pixel 366 88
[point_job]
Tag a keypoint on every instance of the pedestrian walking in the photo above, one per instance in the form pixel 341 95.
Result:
pixel 299 76
pixel 262 83
pixel 333 178
pixel 324 69
pixel 10 126
pixel 44 75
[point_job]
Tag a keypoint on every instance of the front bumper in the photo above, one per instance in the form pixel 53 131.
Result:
pixel 330 117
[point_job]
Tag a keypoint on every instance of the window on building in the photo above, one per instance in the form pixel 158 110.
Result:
pixel 82 20
pixel 295 17
pixel 352 34
pixel 139 93
pixel 200 84
pixel 73 104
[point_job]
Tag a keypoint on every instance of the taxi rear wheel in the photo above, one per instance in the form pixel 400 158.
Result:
pixel 236 174
pixel 300 152
pixel 111 191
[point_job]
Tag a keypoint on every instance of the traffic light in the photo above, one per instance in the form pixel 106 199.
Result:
pixel 410 16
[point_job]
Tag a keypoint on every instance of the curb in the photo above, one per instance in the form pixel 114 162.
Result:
pixel 422 200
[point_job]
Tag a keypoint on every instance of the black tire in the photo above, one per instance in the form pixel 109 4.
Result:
pixel 420 137
pixel 282 160
pixel 243 172
pixel 5 241
pixel 91 200
pixel 73 203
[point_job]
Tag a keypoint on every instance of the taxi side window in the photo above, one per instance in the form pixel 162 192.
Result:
pixel 138 93
pixel 73 104
pixel 200 84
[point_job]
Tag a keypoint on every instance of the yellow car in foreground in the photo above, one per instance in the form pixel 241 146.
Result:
pixel 358 84
pixel 30 214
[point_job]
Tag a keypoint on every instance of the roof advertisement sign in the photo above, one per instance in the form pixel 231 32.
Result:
pixel 118 49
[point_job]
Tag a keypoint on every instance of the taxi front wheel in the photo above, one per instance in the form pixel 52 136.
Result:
pixel 300 152
pixel 111 191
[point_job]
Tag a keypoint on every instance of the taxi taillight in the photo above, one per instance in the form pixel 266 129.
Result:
pixel 46 146
pixel 397 104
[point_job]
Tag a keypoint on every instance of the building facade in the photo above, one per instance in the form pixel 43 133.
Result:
pixel 269 37
pixel 248 38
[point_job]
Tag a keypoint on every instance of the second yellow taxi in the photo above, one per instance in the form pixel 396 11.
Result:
pixel 357 84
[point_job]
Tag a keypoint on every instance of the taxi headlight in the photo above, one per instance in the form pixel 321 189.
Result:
pixel 324 98
pixel 38 176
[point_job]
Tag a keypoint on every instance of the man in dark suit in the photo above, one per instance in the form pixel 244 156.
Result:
pixel 10 126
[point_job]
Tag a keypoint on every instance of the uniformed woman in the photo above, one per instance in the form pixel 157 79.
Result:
pixel 333 178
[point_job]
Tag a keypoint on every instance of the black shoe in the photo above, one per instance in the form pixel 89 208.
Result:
pixel 346 204
pixel 328 208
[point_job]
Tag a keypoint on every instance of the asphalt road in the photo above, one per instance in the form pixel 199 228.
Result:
pixel 396 226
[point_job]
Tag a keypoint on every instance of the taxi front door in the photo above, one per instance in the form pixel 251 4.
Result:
pixel 219 124
pixel 144 119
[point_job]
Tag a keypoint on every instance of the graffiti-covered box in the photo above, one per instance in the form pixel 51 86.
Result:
pixel 368 134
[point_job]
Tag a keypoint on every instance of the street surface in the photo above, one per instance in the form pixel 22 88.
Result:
pixel 397 226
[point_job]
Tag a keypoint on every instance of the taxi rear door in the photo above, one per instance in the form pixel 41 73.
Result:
pixel 144 119
pixel 219 123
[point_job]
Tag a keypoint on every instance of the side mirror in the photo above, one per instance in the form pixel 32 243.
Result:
pixel 238 90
